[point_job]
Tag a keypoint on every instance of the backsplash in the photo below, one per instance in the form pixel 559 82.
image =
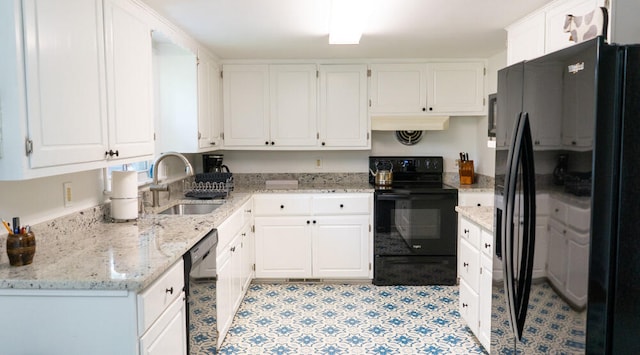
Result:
pixel 257 179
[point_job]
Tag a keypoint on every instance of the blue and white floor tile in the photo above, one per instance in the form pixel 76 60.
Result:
pixel 349 319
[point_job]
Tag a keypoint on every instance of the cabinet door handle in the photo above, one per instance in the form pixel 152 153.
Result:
pixel 341 206
pixel 308 222
pixel 465 264
pixel 430 108
pixel 169 290
pixel 464 305
pixel 466 231
pixel 424 109
pixel 487 245
pixel 266 143
pixel 272 142
pixel 323 143
pixel 314 222
pixel 281 206
pixel 112 153
pixel 247 211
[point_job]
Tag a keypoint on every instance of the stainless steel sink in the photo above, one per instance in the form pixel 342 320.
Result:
pixel 190 208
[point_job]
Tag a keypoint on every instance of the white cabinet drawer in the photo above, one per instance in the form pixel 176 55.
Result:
pixel 469 264
pixel 469 232
pixel 486 243
pixel 558 210
pixel 341 204
pixel 579 218
pixel 157 297
pixel 282 205
pixel 230 227
pixel 475 198
pixel 469 306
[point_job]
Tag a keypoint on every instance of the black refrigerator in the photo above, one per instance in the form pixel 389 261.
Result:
pixel 566 271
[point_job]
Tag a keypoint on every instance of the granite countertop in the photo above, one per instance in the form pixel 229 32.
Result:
pixel 98 255
pixel 482 215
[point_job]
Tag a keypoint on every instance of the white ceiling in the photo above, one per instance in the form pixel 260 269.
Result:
pixel 298 29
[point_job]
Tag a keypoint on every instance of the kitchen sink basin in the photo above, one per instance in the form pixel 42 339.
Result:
pixel 190 208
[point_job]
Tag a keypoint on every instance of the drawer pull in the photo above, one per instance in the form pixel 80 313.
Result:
pixel 487 245
pixel 341 206
pixel 465 264
pixel 466 231
pixel 464 305
pixel 281 206
pixel 247 211
pixel 308 222
pixel 169 290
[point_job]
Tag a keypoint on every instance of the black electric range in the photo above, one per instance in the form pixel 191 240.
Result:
pixel 415 235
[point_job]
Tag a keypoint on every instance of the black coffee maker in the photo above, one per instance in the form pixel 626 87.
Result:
pixel 212 163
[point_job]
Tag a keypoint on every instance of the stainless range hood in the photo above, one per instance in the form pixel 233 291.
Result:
pixel 409 123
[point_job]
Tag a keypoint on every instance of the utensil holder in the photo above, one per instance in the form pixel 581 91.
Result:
pixel 21 248
pixel 466 172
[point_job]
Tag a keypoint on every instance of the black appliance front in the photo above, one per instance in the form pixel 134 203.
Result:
pixel 415 237
pixel 568 103
pixel 200 288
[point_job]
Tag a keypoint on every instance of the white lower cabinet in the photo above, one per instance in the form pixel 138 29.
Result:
pixel 313 235
pixel 70 322
pixel 167 335
pixel 234 265
pixel 568 256
pixel 283 247
pixel 475 264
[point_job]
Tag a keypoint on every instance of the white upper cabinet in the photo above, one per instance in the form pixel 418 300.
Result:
pixel 451 88
pixel 555 37
pixel 209 104
pixel 398 88
pixel 293 105
pixel 129 80
pixel 76 86
pixel 65 81
pixel 343 120
pixel 246 105
pixel 456 88
pixel 525 39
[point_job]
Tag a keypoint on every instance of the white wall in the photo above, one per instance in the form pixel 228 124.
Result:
pixel 463 135
pixel 39 200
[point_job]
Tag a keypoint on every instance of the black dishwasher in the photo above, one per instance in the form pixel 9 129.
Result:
pixel 200 290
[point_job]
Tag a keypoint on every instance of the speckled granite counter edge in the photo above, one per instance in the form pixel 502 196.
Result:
pixel 482 216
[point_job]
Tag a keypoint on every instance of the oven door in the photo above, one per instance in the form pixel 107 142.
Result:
pixel 409 223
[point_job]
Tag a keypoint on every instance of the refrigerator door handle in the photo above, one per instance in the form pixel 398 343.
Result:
pixel 507 221
pixel 518 287
pixel 529 225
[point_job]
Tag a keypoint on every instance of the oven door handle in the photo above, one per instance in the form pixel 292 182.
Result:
pixel 393 196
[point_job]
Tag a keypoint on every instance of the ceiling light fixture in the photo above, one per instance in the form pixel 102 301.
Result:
pixel 348 19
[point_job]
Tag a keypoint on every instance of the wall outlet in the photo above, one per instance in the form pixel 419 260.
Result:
pixel 67 194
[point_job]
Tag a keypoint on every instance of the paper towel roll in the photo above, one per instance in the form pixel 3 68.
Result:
pixel 124 184
pixel 124 208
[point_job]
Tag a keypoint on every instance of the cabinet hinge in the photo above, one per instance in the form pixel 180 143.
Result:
pixel 369 266
pixel 222 135
pixel 484 101
pixel 317 73
pixel 253 267
pixel 369 102
pixel 28 146
pixel 484 71
pixel 317 135
pixel 368 73
pixel 369 227
pixel 253 228
pixel 154 136
pixel 197 60
pixel 221 76
pixel 367 135
pixel 480 271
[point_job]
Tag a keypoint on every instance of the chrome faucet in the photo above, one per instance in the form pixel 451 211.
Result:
pixel 155 187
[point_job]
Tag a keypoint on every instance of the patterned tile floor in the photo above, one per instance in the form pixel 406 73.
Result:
pixel 323 318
